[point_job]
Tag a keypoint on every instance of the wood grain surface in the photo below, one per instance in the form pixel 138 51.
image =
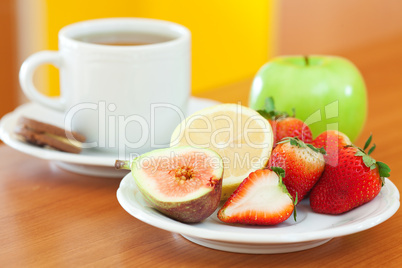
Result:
pixel 53 218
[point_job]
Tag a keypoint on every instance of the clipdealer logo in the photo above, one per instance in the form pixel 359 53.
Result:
pixel 122 133
pixel 111 129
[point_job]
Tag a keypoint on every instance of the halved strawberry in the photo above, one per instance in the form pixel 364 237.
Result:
pixel 261 199
pixel 283 125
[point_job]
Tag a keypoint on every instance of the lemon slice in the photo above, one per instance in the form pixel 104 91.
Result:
pixel 240 135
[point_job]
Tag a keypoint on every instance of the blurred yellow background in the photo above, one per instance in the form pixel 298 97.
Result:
pixel 231 39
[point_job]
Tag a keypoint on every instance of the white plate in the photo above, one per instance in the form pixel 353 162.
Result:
pixel 310 230
pixel 88 162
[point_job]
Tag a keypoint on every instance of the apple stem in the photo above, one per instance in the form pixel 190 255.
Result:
pixel 306 60
pixel 120 164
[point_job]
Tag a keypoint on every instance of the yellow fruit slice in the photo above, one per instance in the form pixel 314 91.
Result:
pixel 240 135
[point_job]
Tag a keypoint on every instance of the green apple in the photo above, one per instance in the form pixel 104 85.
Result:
pixel 326 92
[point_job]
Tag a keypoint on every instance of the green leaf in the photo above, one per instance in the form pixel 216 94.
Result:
pixel 279 171
pixel 284 140
pixel 294 142
pixel 367 144
pixel 269 111
pixel 371 149
pixel 269 104
pixel 317 150
pixel 369 161
pixel 360 153
pixel 264 114
pixel 383 169
pixel 294 209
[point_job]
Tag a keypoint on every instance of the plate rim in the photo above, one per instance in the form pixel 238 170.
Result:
pixel 193 231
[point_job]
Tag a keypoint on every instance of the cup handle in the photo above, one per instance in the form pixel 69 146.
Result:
pixel 26 78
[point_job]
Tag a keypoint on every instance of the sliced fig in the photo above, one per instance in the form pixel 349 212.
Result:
pixel 184 183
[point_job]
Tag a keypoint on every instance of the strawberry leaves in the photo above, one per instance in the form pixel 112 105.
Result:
pixel 383 169
pixel 279 171
pixel 269 111
pixel 367 160
pixel 297 142
pixel 281 174
pixel 367 144
pixel 371 149
pixel 294 210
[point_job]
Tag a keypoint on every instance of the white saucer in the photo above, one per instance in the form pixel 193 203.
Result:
pixel 310 230
pixel 88 162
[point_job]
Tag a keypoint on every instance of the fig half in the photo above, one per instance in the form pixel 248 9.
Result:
pixel 184 183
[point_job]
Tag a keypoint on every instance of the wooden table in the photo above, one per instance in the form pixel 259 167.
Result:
pixel 50 217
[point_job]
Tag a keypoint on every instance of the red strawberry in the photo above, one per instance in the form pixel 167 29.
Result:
pixel 303 165
pixel 284 125
pixel 355 181
pixel 292 127
pixel 331 141
pixel 261 199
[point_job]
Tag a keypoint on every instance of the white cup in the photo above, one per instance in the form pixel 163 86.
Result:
pixel 122 98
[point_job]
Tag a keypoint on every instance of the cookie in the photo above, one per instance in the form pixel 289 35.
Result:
pixel 46 135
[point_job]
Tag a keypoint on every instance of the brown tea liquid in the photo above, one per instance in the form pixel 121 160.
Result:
pixel 124 38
